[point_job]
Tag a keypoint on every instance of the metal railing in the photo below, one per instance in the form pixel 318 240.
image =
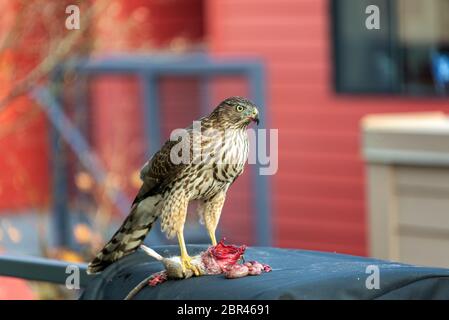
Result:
pixel 41 269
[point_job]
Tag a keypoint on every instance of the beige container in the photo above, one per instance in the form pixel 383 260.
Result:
pixel 407 159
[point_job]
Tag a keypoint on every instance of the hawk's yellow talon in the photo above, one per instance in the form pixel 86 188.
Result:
pixel 186 262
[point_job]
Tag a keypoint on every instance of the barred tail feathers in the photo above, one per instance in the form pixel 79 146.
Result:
pixel 128 237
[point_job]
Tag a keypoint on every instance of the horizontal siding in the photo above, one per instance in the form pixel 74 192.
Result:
pixel 324 164
pixel 318 191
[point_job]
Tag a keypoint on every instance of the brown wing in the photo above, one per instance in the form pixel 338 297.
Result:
pixel 158 172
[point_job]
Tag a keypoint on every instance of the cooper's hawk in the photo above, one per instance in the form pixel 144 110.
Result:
pixel 202 165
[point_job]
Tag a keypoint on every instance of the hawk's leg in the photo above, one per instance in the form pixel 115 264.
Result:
pixel 173 217
pixel 212 237
pixel 186 260
pixel 211 214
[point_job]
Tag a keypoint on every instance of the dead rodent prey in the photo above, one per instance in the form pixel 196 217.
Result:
pixel 219 259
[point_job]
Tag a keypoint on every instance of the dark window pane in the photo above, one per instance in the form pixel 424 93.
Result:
pixel 397 58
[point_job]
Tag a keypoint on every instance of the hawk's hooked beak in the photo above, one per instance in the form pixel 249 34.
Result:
pixel 256 119
pixel 255 116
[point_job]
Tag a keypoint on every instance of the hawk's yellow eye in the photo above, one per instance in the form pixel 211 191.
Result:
pixel 239 108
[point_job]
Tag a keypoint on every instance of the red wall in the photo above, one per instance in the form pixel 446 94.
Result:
pixel 318 192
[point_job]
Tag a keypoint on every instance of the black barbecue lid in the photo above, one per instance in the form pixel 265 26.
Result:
pixel 297 274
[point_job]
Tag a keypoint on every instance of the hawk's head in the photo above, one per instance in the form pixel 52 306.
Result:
pixel 236 112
